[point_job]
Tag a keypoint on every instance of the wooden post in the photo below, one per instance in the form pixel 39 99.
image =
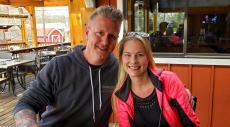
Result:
pixel 31 10
pixel 23 31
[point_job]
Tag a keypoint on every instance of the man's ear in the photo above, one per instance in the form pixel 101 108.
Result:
pixel 86 29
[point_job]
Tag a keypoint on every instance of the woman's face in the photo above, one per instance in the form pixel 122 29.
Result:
pixel 134 59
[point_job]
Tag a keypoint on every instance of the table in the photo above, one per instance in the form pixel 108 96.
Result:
pixel 8 65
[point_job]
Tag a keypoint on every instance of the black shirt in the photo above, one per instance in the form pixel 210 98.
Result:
pixel 148 112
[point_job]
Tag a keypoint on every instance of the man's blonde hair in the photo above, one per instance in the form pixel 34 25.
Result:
pixel 109 12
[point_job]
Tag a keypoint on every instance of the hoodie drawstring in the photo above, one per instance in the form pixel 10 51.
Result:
pixel 92 89
pixel 99 78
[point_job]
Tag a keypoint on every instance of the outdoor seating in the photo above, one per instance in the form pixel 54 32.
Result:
pixel 4 80
pixel 29 67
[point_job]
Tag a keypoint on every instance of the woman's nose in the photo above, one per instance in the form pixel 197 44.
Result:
pixel 133 59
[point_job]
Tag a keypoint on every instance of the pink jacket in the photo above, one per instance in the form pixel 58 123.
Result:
pixel 168 84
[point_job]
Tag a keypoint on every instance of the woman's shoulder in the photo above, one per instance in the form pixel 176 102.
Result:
pixel 169 79
pixel 163 73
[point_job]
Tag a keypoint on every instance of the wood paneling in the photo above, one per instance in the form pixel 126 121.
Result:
pixel 201 88
pixel 182 72
pixel 210 84
pixel 163 66
pixel 221 98
pixel 22 2
pixel 106 2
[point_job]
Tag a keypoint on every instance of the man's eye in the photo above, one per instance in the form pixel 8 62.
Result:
pixel 112 37
pixel 99 33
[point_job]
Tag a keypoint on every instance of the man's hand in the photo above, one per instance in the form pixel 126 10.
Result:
pixel 25 118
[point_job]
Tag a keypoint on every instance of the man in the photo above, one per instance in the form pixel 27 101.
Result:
pixel 77 86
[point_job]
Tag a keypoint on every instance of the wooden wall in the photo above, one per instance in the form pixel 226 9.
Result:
pixel 106 2
pixel 211 85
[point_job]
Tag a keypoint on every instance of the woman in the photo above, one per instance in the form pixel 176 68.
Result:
pixel 145 96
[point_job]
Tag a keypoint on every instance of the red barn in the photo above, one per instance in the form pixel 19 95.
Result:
pixel 51 35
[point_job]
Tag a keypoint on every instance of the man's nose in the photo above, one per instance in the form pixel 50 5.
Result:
pixel 105 40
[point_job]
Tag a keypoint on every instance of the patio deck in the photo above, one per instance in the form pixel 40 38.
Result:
pixel 8 102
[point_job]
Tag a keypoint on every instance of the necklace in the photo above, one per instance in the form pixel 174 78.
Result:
pixel 146 110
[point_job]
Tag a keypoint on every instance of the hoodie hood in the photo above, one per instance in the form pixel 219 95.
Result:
pixel 78 54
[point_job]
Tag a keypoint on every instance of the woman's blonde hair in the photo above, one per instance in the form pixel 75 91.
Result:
pixel 122 75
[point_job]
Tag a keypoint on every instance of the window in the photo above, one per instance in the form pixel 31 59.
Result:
pixel 168 36
pixel 187 27
pixel 139 15
pixel 52 24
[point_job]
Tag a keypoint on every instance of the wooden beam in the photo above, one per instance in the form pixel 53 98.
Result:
pixel 56 2
pixel 4 1
pixel 31 10
pixel 24 3
pixel 130 15
pixel 78 18
pixel 23 30
pixel 198 10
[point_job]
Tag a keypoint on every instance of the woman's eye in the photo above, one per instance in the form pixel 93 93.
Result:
pixel 140 54
pixel 126 54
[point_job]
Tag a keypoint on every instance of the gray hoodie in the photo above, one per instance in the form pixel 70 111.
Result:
pixel 79 95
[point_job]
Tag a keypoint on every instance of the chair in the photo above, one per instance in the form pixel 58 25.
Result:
pixel 194 99
pixel 29 67
pixel 4 80
pixel 61 52
pixel 22 70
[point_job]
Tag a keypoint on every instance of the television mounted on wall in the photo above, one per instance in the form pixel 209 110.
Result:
pixel 209 18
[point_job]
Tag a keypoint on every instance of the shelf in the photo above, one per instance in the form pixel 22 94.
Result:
pixel 13 16
pixel 5 27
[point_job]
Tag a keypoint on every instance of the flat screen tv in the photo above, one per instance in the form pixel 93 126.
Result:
pixel 209 19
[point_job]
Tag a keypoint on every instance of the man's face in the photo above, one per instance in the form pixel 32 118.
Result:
pixel 101 35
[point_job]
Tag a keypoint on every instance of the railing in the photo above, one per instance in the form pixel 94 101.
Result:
pixel 6 46
pixel 37 48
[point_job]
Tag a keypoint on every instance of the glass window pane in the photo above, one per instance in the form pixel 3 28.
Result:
pixel 139 15
pixel 169 35
pixel 52 24
pixel 209 32
pixel 207 26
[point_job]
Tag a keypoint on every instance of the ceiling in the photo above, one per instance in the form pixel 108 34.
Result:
pixel 35 2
